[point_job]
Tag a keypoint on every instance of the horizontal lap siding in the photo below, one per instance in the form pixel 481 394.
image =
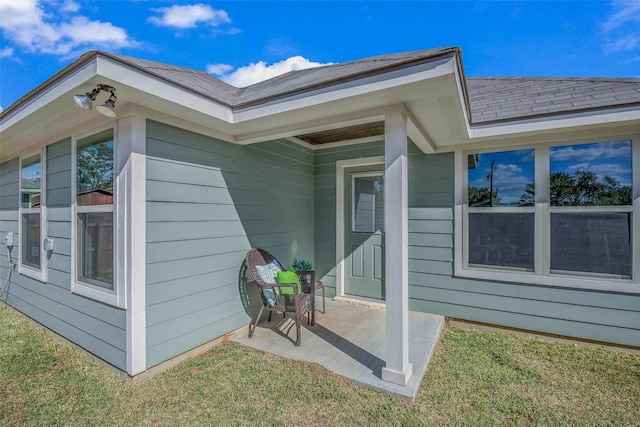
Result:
pixel 324 165
pixel 97 327
pixel 601 316
pixel 208 202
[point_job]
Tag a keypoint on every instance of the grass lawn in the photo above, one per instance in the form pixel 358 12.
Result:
pixel 475 378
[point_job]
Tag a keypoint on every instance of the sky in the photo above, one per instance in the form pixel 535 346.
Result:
pixel 513 170
pixel 243 42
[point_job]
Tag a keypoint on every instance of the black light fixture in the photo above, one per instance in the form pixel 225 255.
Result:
pixel 85 101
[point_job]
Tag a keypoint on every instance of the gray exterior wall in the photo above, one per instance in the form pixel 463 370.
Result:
pixel 324 169
pixel 593 315
pixel 208 202
pixel 97 327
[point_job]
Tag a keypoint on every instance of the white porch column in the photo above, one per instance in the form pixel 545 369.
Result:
pixel 396 206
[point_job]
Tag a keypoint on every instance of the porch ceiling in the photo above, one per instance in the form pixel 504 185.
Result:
pixel 348 133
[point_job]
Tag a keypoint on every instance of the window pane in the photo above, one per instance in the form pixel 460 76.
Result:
pixel 94 178
pixel 95 237
pixel 31 239
pixel 501 179
pixel 368 204
pixel 591 242
pixel 30 178
pixel 591 174
pixel 501 239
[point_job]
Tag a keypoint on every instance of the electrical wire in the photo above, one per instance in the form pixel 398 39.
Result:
pixel 12 266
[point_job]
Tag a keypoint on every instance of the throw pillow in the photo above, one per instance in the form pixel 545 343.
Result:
pixel 288 276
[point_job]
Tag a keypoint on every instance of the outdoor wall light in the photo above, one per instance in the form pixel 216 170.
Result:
pixel 85 101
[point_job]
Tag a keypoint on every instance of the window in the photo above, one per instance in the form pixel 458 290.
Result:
pixel 32 221
pixel 590 195
pixel 554 212
pixel 94 210
pixel 501 213
pixel 368 203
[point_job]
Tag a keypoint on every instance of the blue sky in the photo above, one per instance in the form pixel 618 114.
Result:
pixel 513 170
pixel 243 41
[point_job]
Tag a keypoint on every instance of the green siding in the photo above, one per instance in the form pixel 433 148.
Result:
pixel 9 184
pixel 59 174
pixel 208 202
pixel 99 328
pixel 594 315
pixel 324 168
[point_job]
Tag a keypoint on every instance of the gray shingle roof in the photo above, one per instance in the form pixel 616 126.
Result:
pixel 490 98
pixel 293 81
pixel 503 98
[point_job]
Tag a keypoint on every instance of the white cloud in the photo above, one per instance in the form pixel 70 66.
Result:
pixel 621 26
pixel 31 26
pixel 623 12
pixel 628 42
pixel 218 69
pixel 583 153
pixel 70 6
pixel 6 52
pixel 260 71
pixel 189 16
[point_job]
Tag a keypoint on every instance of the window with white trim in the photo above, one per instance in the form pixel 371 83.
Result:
pixel 95 231
pixel 32 217
pixel 554 211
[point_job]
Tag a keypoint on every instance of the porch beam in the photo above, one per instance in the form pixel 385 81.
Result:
pixel 396 205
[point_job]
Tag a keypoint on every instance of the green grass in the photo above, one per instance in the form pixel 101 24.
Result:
pixel 475 378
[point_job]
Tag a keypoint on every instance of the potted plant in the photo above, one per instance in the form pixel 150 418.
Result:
pixel 305 272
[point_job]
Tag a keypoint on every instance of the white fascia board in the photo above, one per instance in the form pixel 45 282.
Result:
pixel 172 93
pixel 350 89
pixel 556 122
pixel 57 89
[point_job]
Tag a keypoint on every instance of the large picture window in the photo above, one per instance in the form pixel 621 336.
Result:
pixel 31 216
pixel 556 211
pixel 94 209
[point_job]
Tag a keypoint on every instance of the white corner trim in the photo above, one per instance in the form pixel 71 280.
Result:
pixel 131 253
pixel 341 166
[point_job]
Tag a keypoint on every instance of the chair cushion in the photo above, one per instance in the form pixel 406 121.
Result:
pixel 269 273
pixel 288 276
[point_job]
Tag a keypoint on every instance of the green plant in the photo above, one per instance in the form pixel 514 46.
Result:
pixel 302 265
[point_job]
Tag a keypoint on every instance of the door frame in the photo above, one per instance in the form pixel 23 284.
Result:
pixel 341 167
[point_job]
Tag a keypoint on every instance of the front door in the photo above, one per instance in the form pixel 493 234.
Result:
pixel 364 232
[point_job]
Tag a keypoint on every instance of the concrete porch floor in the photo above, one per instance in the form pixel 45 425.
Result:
pixel 349 340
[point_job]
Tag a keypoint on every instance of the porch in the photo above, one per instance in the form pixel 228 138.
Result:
pixel 349 340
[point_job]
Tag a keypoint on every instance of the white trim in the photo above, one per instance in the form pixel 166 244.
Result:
pixel 635 218
pixel 131 250
pixel 556 121
pixel 341 166
pixel 42 273
pixel 115 297
pixel 542 274
pixel 378 82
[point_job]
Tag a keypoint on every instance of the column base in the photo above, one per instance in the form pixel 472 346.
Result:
pixel 397 377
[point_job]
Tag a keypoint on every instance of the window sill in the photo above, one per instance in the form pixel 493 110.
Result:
pixel 39 275
pixel 584 283
pixel 98 294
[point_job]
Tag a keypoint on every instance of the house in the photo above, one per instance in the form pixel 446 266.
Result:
pixel 510 201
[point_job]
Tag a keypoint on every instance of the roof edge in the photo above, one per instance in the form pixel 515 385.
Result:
pixel 84 59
